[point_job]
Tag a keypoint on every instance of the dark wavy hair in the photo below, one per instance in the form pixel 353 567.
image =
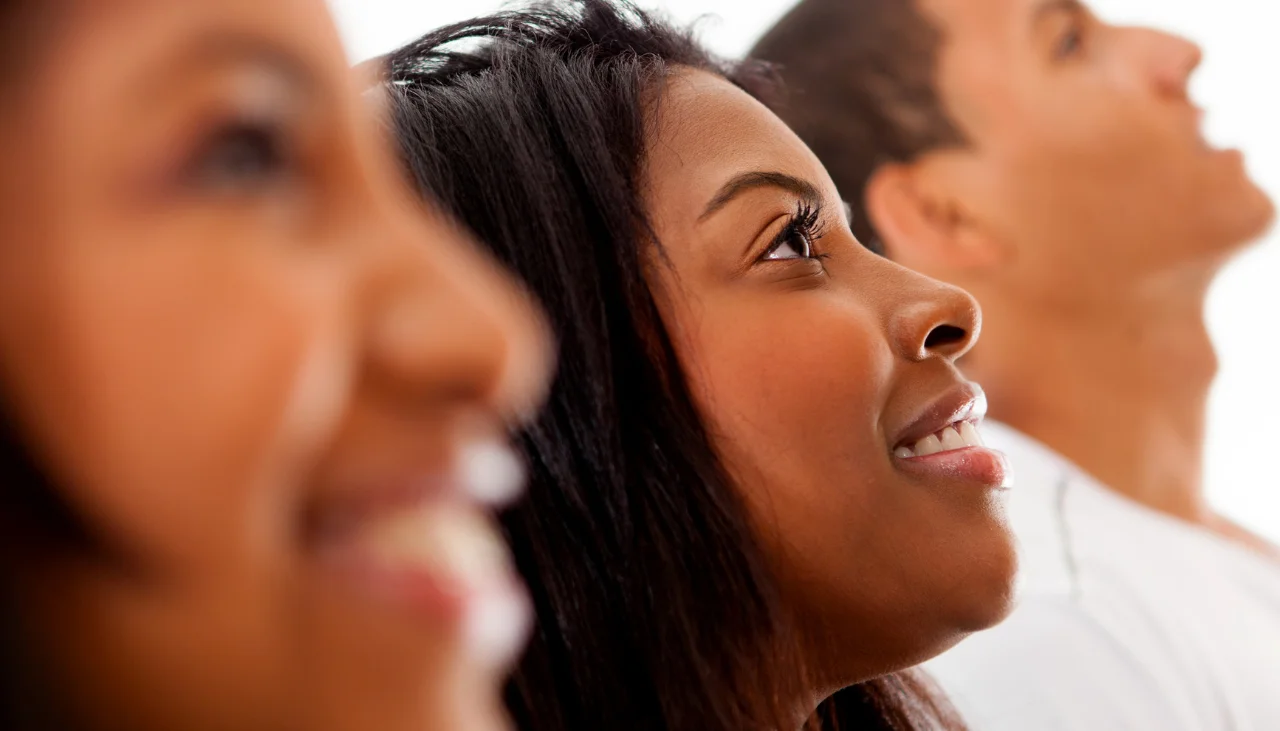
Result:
pixel 656 607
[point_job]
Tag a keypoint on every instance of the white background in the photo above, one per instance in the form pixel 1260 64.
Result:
pixel 1236 84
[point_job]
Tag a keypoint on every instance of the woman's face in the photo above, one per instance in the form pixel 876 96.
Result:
pixel 275 392
pixel 827 378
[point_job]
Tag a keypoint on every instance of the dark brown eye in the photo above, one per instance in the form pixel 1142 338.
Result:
pixel 797 239
pixel 794 245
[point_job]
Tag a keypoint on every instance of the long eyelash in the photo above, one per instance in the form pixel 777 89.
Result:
pixel 807 222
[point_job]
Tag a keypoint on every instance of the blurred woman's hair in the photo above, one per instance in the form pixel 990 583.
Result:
pixel 35 522
pixel 656 607
pixel 36 525
pixel 24 26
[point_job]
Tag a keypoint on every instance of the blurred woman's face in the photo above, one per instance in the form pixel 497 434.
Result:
pixel 280 410
pixel 827 378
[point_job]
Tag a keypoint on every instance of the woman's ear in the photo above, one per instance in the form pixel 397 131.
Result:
pixel 922 225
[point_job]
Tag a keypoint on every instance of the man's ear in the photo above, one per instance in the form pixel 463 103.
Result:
pixel 923 225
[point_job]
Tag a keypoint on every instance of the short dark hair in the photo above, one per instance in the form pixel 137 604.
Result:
pixel 656 608
pixel 862 89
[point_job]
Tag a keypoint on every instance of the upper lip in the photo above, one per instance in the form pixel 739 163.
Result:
pixel 339 509
pixel 963 402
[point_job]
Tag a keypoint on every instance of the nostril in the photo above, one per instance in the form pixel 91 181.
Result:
pixel 945 337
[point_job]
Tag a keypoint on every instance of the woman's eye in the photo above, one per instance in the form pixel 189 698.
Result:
pixel 797 239
pixel 793 246
pixel 240 158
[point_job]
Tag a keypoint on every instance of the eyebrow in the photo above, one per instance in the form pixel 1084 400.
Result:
pixel 1049 7
pixel 755 180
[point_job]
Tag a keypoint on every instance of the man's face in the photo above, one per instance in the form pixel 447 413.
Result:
pixel 1087 159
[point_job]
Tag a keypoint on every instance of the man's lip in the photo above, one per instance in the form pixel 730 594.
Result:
pixel 963 402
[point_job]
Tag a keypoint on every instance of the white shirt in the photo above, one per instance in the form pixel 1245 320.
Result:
pixel 1128 620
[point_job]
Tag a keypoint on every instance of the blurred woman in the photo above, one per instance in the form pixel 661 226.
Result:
pixel 254 405
pixel 759 479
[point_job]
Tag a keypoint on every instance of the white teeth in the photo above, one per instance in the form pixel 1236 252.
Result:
pixel 491 473
pixel 949 439
pixel 927 446
pixel 451 540
pixel 498 627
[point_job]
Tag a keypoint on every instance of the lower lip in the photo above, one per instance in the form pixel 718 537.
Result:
pixel 977 465
pixel 492 620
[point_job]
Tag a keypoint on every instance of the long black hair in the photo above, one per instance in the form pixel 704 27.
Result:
pixel 656 608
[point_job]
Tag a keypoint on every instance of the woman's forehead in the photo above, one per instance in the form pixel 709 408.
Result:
pixel 101 38
pixel 709 131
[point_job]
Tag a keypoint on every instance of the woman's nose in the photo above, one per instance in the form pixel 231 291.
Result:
pixel 938 321
pixel 451 325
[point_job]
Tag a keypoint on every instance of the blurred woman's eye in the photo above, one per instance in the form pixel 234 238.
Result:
pixel 240 157
pixel 798 237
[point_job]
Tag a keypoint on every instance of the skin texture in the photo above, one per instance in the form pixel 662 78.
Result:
pixel 218 312
pixel 1088 216
pixel 806 369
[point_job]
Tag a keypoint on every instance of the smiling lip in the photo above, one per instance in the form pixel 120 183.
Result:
pixel 975 465
pixel 943 441
pixel 423 548
pixel 963 402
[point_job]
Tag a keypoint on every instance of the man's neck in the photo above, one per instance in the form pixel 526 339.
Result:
pixel 1118 386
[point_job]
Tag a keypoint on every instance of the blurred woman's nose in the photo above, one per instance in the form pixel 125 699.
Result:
pixel 934 320
pixel 450 325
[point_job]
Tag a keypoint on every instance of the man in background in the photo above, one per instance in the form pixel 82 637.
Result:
pixel 1053 165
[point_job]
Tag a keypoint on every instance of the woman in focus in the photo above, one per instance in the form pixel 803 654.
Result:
pixel 759 479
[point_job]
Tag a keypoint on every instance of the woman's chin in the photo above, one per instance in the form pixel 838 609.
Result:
pixel 993 594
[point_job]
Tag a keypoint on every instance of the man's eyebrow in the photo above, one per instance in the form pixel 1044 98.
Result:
pixel 1049 7
pixel 759 179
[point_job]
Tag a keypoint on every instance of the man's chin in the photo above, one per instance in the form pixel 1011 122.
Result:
pixel 1265 215
pixel 1240 214
pixel 1246 211
pixel 1253 220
